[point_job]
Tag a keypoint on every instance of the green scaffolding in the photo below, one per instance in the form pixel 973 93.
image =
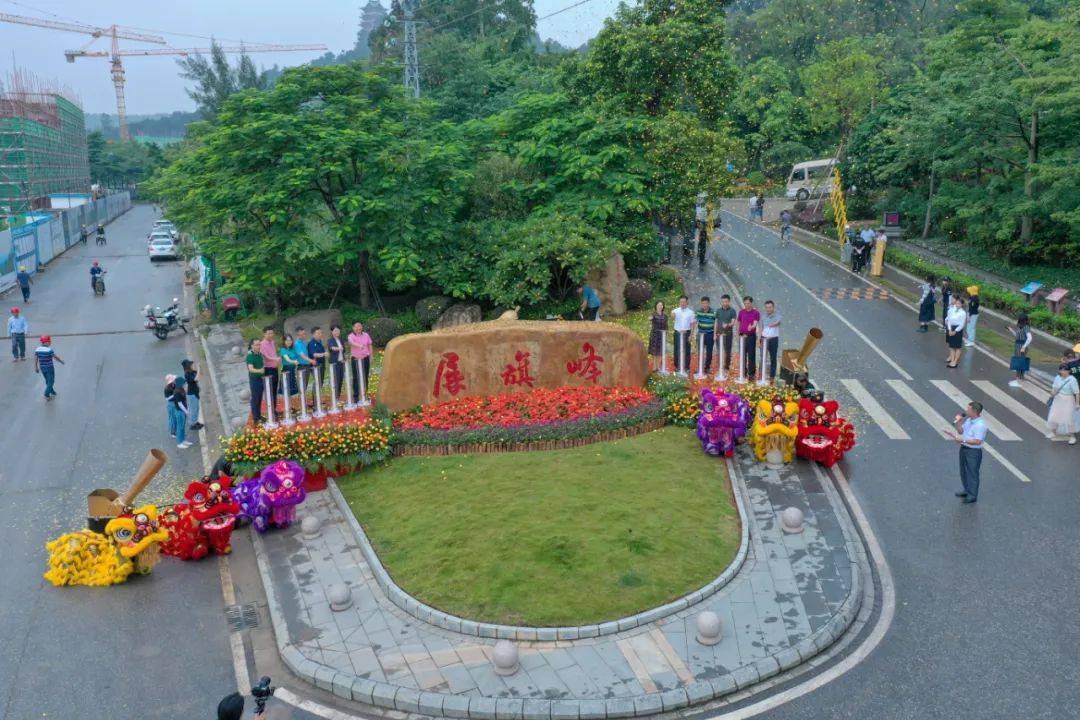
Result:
pixel 42 150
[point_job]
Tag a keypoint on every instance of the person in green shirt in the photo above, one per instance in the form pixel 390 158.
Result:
pixel 254 362
pixel 706 324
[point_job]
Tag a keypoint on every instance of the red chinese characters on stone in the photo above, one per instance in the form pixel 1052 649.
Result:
pixel 588 365
pixel 518 374
pixel 448 376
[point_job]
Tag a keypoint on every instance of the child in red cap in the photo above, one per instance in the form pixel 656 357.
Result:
pixel 43 363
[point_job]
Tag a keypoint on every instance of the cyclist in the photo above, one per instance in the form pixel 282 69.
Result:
pixel 101 234
pixel 95 272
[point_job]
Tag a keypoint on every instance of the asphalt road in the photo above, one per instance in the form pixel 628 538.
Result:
pixel 154 647
pixel 986 593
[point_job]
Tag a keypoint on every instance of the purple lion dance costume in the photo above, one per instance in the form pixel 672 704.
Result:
pixel 272 497
pixel 723 420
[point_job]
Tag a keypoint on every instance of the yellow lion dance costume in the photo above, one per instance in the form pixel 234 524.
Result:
pixel 131 543
pixel 776 425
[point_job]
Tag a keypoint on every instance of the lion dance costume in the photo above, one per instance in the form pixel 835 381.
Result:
pixel 131 543
pixel 775 428
pixel 204 523
pixel 271 498
pixel 824 436
pixel 722 421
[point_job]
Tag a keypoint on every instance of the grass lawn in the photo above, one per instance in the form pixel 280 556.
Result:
pixel 564 537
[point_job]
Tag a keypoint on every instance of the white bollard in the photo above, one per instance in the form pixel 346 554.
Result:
pixel 721 372
pixel 663 353
pixel 334 409
pixel 761 362
pixel 318 395
pixel 742 359
pixel 700 358
pixel 288 421
pixel 684 362
pixel 349 404
pixel 268 388
pixel 362 401
pixel 304 417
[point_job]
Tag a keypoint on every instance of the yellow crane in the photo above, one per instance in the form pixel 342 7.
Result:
pixel 115 33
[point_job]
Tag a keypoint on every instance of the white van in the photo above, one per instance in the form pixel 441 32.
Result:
pixel 810 179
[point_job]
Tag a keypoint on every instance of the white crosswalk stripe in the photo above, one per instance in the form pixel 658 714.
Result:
pixel 940 424
pixel 996 427
pixel 1015 406
pixel 873 408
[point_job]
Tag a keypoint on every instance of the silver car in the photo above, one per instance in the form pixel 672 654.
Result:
pixel 162 246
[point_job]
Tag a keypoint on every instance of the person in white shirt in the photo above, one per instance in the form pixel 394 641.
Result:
pixel 683 321
pixel 955 324
pixel 970 434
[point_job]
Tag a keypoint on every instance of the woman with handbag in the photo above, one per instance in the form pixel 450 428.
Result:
pixel 955 323
pixel 1020 362
pixel 926 303
pixel 1064 403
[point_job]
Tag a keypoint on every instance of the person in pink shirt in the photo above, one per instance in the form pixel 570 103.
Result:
pixel 268 349
pixel 749 320
pixel 360 352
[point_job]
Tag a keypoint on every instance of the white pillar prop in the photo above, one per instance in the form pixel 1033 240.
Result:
pixel 684 362
pixel 700 357
pixel 663 353
pixel 334 409
pixel 742 358
pixel 349 404
pixel 721 372
pixel 362 401
pixel 761 362
pixel 288 421
pixel 268 388
pixel 304 417
pixel 318 395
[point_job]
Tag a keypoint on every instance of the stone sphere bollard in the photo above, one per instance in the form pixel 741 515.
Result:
pixel 791 520
pixel 708 628
pixel 311 526
pixel 340 597
pixel 505 658
pixel 245 394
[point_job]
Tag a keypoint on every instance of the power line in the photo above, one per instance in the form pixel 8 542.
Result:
pixel 482 9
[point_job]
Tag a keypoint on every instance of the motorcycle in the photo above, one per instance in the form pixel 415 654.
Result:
pixel 162 322
pixel 99 283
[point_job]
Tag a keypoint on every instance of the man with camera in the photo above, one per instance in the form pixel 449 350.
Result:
pixel 231 706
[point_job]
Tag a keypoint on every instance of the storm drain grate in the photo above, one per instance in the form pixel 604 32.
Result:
pixel 242 617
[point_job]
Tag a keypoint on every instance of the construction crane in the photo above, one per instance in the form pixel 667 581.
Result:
pixel 115 33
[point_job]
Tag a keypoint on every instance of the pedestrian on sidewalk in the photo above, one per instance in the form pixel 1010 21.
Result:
pixel 657 328
pixel 1020 362
pixel 44 356
pixel 271 363
pixel 705 320
pixel 751 208
pixel 749 321
pixel 179 412
pixel 170 416
pixel 360 353
pixel 725 319
pixel 926 303
pixel 973 315
pixel 970 434
pixel 1064 417
pixel 335 355
pixel 256 372
pixel 946 298
pixel 955 322
pixel 191 376
pixel 23 278
pixel 770 336
pixel 17 329
pixel 683 319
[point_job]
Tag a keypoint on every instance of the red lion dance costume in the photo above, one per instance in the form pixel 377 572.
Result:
pixel 202 524
pixel 824 436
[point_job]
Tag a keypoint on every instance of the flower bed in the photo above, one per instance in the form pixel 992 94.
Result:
pixel 682 398
pixel 337 445
pixel 541 406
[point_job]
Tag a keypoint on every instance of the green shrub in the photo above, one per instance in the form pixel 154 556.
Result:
pixel 637 293
pixel 430 308
pixel 665 280
pixel 382 330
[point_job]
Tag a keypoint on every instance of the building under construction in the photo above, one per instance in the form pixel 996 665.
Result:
pixel 42 145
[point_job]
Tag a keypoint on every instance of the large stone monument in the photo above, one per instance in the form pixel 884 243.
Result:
pixel 502 356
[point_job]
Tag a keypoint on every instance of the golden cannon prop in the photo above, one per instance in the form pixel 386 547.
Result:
pixel 794 369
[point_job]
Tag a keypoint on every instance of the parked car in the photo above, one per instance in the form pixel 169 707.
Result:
pixel 810 179
pixel 162 246
pixel 164 224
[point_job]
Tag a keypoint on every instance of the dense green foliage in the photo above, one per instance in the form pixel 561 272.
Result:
pixel 120 164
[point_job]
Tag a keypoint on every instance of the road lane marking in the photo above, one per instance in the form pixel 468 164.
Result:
pixel 1035 391
pixel 1015 406
pixel 327 713
pixel 995 426
pixel 859 333
pixel 940 424
pixel 884 420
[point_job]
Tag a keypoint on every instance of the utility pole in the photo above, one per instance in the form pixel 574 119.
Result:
pixel 412 60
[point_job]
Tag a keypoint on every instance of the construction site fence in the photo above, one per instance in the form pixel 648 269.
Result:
pixel 36 243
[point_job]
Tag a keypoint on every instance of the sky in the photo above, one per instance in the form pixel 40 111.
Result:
pixel 153 85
